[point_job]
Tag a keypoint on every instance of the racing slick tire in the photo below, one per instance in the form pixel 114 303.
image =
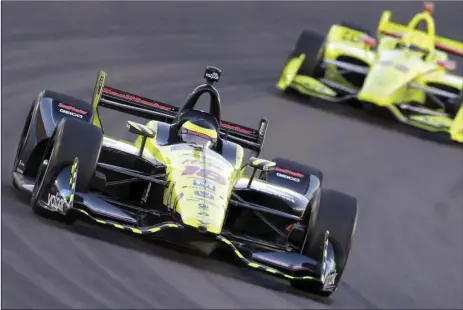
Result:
pixel 337 212
pixel 453 106
pixel 72 138
pixel 23 139
pixel 311 44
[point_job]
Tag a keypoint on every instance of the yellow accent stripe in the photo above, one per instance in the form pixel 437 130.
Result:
pixel 208 132
pixel 325 256
pixel 263 267
pixel 73 179
pixel 135 230
pixel 97 92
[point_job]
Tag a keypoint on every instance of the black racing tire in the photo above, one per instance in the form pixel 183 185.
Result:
pixel 453 106
pixel 311 44
pixel 337 212
pixel 23 139
pixel 72 138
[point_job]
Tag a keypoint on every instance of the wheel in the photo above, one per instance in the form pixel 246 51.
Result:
pixel 311 44
pixel 337 212
pixel 453 106
pixel 72 138
pixel 23 139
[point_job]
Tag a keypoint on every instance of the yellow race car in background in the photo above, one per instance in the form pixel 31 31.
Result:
pixel 407 72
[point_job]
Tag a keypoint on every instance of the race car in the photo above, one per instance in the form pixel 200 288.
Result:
pixel 185 178
pixel 407 73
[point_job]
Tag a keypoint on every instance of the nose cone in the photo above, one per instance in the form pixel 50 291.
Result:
pixel 382 85
pixel 204 215
pixel 387 80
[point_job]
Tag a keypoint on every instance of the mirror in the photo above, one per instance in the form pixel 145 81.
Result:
pixel 140 129
pixel 261 164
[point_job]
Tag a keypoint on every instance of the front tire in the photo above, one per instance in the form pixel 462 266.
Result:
pixel 337 212
pixel 23 140
pixel 72 138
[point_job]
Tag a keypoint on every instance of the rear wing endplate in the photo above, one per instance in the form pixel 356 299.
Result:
pixel 390 28
pixel 122 101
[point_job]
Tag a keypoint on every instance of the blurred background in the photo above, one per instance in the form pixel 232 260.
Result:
pixel 408 245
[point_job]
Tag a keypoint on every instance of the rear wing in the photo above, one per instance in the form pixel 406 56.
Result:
pixel 390 28
pixel 125 102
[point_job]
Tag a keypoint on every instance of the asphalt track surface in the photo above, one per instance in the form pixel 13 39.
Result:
pixel 408 246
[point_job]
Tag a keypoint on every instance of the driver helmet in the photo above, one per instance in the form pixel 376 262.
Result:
pixel 198 132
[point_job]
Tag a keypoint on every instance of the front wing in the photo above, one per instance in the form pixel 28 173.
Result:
pixel 287 265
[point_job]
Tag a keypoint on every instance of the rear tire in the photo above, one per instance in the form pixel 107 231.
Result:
pixel 72 138
pixel 337 212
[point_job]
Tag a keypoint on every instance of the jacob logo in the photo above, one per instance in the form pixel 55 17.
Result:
pixel 55 202
pixel 213 76
pixel 330 281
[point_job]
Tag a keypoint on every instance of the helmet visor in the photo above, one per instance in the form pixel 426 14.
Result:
pixel 190 136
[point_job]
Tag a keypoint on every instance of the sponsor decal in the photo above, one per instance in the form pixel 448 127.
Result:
pixel 204 194
pixel 284 176
pixel 289 172
pixel 204 173
pixel 213 76
pixel 195 133
pixel 56 202
pixel 330 281
pixel 211 162
pixel 195 199
pixel 203 207
pixel 204 183
pixel 70 113
pixel 70 110
pixel 137 99
pixel 202 213
pixel 237 128
pixel 262 128
pixel 100 85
